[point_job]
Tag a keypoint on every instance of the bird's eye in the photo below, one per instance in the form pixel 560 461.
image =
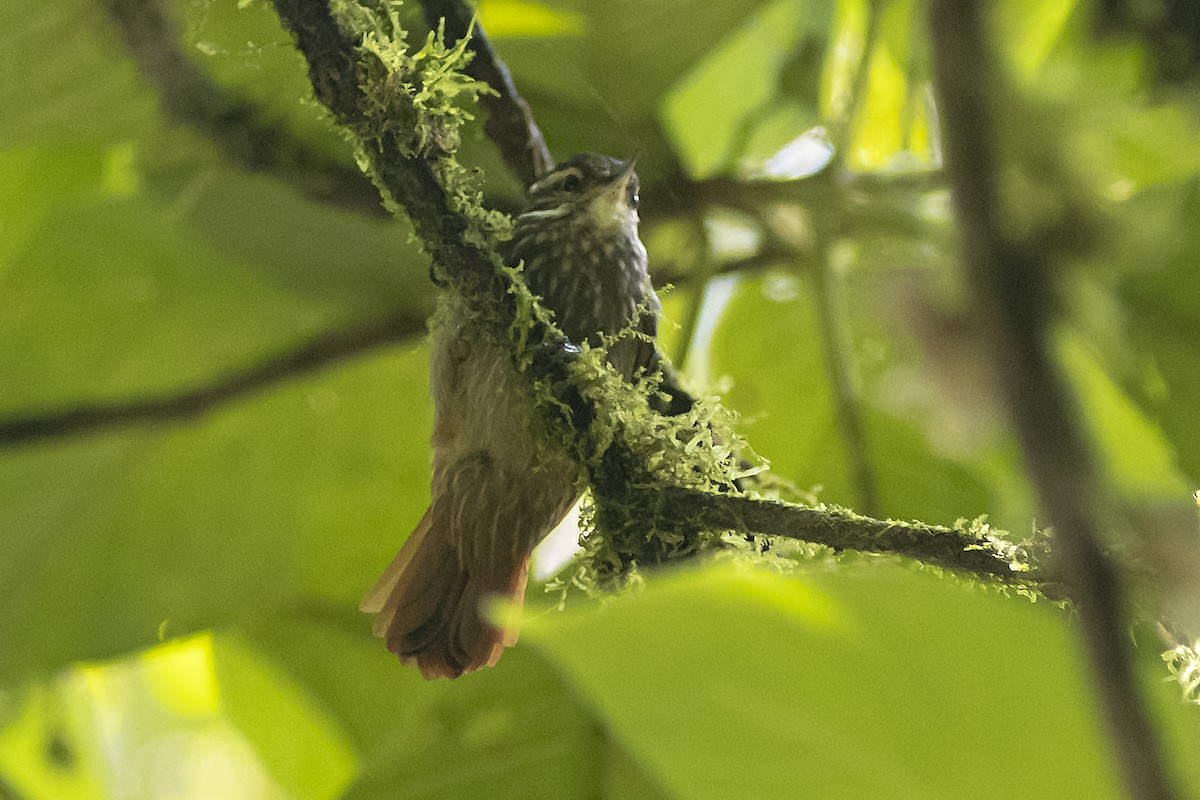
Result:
pixel 571 183
pixel 634 199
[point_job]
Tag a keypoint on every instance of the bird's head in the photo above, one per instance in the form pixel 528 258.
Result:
pixel 603 189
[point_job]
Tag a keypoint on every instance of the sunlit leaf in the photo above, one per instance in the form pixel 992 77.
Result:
pixel 503 18
pixel 514 731
pixel 714 110
pixel 295 739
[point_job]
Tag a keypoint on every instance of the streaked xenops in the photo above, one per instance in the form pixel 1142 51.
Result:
pixel 497 489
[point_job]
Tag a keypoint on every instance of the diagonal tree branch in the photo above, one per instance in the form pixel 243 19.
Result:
pixel 337 63
pixel 191 403
pixel 510 123
pixel 237 126
pixel 977 552
pixel 1013 295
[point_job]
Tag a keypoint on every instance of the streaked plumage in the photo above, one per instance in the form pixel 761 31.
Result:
pixel 497 490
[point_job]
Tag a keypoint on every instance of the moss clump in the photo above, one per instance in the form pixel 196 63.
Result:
pixel 416 101
pixel 1183 662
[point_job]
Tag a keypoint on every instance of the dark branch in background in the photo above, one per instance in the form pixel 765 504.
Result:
pixel 236 126
pixel 1012 285
pixel 510 123
pixel 188 403
pixel 1169 29
pixel 864 201
pixel 191 403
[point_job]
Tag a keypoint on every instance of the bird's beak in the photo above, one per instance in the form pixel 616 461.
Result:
pixel 614 191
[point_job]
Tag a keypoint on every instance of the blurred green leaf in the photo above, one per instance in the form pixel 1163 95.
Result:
pixel 245 50
pixel 113 294
pixel 63 77
pixel 512 18
pixel 598 84
pixel 515 731
pixel 713 111
pixel 47 748
pixel 891 126
pixel 872 682
pixel 766 357
pixel 1132 448
pixel 1160 291
pixel 631 67
pixel 767 348
pixel 124 295
pixel 265 501
pixel 35 182
pixel 1031 28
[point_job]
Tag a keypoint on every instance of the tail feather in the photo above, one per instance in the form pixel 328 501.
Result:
pixel 428 602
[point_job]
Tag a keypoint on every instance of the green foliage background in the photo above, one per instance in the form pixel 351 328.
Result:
pixel 177 603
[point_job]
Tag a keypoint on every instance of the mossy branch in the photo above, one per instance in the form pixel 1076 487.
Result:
pixel 370 87
pixel 970 546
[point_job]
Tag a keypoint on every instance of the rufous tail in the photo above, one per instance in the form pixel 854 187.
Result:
pixel 427 604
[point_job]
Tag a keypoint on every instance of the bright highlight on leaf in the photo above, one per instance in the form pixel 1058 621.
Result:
pixel 515 18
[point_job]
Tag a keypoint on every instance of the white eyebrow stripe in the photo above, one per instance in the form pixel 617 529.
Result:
pixel 551 213
pixel 556 178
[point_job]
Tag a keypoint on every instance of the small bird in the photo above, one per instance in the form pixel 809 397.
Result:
pixel 497 487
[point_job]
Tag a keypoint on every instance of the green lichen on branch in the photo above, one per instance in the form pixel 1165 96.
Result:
pixel 403 112
pixel 629 451
pixel 413 96
pixel 694 452
pixel 416 101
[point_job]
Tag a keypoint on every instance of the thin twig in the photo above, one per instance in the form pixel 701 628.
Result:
pixel 842 134
pixel 679 276
pixel 510 124
pixel 837 353
pixel 1010 280
pixel 235 125
pixel 839 359
pixel 191 403
pixel 866 190
pixel 702 270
